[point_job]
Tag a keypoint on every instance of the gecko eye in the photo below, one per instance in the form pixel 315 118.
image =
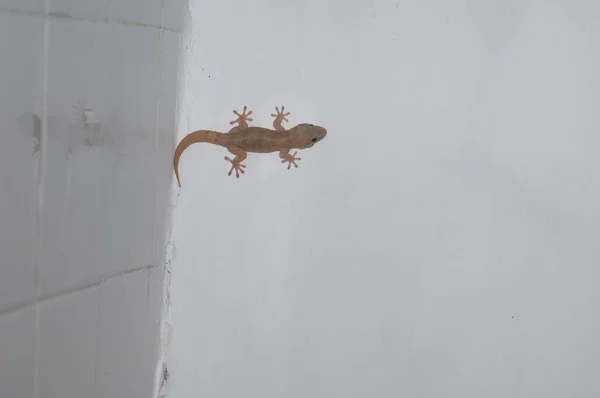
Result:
pixel 314 140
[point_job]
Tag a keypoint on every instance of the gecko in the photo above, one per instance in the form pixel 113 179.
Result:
pixel 243 138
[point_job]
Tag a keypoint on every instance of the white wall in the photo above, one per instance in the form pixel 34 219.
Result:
pixel 84 194
pixel 440 242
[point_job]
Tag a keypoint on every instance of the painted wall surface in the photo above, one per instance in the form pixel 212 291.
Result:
pixel 88 94
pixel 440 242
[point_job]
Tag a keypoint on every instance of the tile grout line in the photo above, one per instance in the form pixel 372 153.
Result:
pixel 78 289
pixel 156 142
pixel 41 198
pixel 67 16
pixel 96 348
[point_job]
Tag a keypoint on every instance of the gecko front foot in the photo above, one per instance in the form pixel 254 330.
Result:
pixel 290 159
pixel 243 118
pixel 235 165
pixel 280 117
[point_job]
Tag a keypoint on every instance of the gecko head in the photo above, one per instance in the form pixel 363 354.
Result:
pixel 309 134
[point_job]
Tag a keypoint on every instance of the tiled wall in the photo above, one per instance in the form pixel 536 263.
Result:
pixel 88 92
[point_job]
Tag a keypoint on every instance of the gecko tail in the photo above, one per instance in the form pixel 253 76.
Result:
pixel 208 136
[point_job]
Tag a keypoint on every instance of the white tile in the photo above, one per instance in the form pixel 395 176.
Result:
pixel 23 5
pixel 68 335
pixel 80 63
pixel 88 9
pixel 162 217
pixel 128 336
pixel 174 14
pixel 134 80
pixel 134 209
pixel 130 10
pixel 20 95
pixel 169 87
pixel 101 205
pixel 17 350
pixel 136 88
pixel 81 160
pixel 155 295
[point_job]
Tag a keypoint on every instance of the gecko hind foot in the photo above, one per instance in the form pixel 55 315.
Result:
pixel 290 159
pixel 235 165
pixel 242 118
